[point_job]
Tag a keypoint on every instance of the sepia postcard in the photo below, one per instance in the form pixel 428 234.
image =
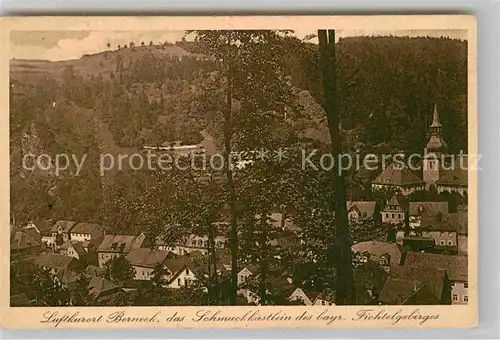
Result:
pixel 239 172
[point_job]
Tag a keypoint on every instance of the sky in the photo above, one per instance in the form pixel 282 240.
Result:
pixel 64 45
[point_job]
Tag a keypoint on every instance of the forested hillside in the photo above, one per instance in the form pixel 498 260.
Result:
pixel 121 99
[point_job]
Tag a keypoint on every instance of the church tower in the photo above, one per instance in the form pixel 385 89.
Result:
pixel 435 148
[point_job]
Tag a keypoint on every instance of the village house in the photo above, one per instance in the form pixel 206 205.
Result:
pixel 462 229
pixel 455 267
pixel 24 243
pixel 74 249
pixel 246 272
pixel 184 272
pixel 189 244
pixel 443 228
pixel 307 298
pixel 384 254
pixel 419 285
pixel 418 209
pixel 361 210
pixel 55 262
pixel 67 277
pixel 43 228
pixel 395 210
pixel 61 231
pixel 454 180
pixel 400 178
pixel 86 231
pixel 145 260
pixel 116 245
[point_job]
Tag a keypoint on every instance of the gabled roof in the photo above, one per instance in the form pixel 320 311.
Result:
pixel 378 248
pixel 21 239
pixel 445 222
pixel 398 175
pixel 428 208
pixel 55 261
pixel 64 225
pixel 145 257
pixel 422 296
pixel 455 266
pixel 395 290
pixel 310 294
pixel 435 278
pixel 398 200
pixel 365 208
pixel 120 243
pixel 87 228
pixel 99 286
pixel 456 177
pixel 67 276
pixel 78 247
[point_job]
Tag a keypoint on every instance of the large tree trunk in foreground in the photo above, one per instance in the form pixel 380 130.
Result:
pixel 342 250
pixel 232 191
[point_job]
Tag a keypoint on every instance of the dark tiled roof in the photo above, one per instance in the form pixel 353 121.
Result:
pixel 99 286
pixel 435 278
pixel 398 175
pixel 78 247
pixel 87 228
pixel 445 222
pixel 455 266
pixel 396 290
pixel 422 296
pixel 428 208
pixel 120 243
pixel 67 276
pixel 21 239
pixel 65 226
pixel 145 257
pixel 55 261
pixel 454 177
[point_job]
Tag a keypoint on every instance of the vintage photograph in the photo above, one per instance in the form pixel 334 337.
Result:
pixel 270 167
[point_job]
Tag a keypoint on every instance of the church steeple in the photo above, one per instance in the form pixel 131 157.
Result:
pixel 435 120
pixel 436 142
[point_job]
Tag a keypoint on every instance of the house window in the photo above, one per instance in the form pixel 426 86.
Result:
pixel 455 297
pixel 323 302
pixel 466 298
pixel 392 215
pixel 179 282
pixel 442 243
pixel 466 285
pixel 386 215
pixel 450 243
pixel 187 271
pixel 399 215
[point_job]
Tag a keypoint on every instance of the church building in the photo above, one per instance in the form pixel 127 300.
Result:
pixel 437 168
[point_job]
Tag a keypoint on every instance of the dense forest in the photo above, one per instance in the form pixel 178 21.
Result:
pixel 123 98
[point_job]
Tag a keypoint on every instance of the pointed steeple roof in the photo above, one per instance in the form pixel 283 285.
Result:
pixel 436 142
pixel 435 120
